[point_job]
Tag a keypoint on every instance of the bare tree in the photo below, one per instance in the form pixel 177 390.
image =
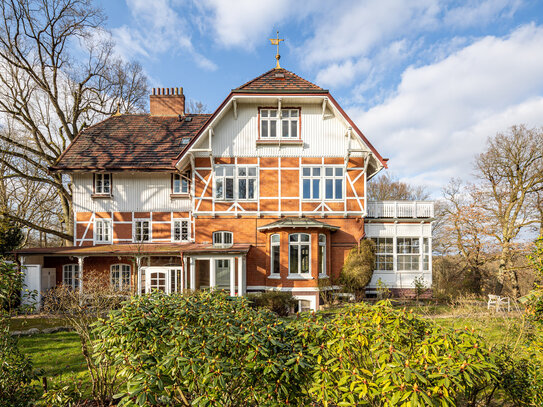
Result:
pixel 196 107
pixel 511 175
pixel 386 187
pixel 58 75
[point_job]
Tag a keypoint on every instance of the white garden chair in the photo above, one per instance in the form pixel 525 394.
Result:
pixel 498 302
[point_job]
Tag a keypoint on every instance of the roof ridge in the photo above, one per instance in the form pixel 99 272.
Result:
pixel 293 76
pixel 254 79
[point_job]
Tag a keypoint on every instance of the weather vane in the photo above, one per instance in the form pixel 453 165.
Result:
pixel 276 41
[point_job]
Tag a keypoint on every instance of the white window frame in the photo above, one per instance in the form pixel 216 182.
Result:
pixel 121 268
pixel 322 178
pixel 299 245
pixel 219 238
pixel 103 231
pixel 73 271
pixel 273 260
pixel 278 119
pixel 185 141
pixel 323 272
pixel 99 185
pixel 174 227
pixel 411 254
pixel 180 184
pixel 221 177
pixel 135 228
pixel 382 254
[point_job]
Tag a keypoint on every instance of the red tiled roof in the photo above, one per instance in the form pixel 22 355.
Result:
pixel 279 80
pixel 130 141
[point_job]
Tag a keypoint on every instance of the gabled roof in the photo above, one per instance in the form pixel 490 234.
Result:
pixel 302 223
pixel 130 141
pixel 279 80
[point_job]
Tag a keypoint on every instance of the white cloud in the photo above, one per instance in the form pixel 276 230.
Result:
pixel 481 12
pixel 157 29
pixel 441 114
pixel 342 74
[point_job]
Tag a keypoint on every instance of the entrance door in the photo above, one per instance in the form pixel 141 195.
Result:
pixel 165 279
pixel 222 268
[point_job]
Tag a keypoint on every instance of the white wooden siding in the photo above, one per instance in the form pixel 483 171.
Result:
pixel 138 192
pixel 321 138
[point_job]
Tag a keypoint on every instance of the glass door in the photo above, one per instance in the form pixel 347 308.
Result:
pixel 222 270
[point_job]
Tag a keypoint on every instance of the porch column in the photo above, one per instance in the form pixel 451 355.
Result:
pixel 80 265
pixel 212 274
pixel 183 272
pixel 232 276
pixel 138 270
pixel 240 276
pixel 192 273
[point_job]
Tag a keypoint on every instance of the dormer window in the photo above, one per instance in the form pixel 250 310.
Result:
pixel 185 141
pixel 102 184
pixel 279 126
pixel 180 184
pixel 222 239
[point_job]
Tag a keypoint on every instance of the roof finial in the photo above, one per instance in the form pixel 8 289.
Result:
pixel 276 41
pixel 118 112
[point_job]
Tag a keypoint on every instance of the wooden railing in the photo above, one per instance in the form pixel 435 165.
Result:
pixel 400 209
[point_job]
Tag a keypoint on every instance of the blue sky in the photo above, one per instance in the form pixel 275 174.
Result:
pixel 427 81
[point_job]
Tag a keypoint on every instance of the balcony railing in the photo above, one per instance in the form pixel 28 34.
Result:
pixel 400 209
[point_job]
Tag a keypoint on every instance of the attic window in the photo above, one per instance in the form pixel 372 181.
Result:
pixel 185 141
pixel 279 76
pixel 188 119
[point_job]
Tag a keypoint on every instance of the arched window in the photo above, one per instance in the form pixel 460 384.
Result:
pixel 223 239
pixel 120 277
pixel 322 255
pixel 275 250
pixel 70 275
pixel 299 253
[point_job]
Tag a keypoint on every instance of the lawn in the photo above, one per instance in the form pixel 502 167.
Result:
pixel 24 323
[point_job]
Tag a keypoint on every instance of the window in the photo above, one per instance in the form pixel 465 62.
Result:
pixel 408 252
pixel 273 127
pixel 181 231
pixel 333 183
pixel 185 141
pixel 180 184
pixel 425 254
pixel 103 231
pixel 70 276
pixel 102 184
pixel 275 252
pixel 120 277
pixel 222 239
pixel 384 253
pixel 236 182
pixel 142 230
pixel 224 182
pixel 322 255
pixel 299 253
pixel 314 177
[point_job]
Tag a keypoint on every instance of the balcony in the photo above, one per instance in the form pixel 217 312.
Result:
pixel 400 209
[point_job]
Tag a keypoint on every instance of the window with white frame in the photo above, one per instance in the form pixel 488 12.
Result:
pixel 408 253
pixel 181 231
pixel 102 231
pixel 120 277
pixel 333 183
pixel 426 254
pixel 222 239
pixel 70 276
pixel 322 183
pixel 236 182
pixel 224 182
pixel 275 252
pixel 273 127
pixel 185 141
pixel 247 183
pixel 180 184
pixel 322 255
pixel 299 257
pixel 102 184
pixel 142 230
pixel 384 253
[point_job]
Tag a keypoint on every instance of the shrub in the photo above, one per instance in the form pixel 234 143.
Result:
pixel 379 356
pixel 11 284
pixel 358 268
pixel 204 349
pixel 15 371
pixel 280 302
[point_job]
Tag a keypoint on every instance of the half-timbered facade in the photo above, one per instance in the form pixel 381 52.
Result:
pixel 266 193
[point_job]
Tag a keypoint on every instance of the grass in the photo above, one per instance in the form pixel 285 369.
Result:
pixel 23 323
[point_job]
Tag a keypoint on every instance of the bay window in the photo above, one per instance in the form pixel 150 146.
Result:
pixel 408 253
pixel 384 253
pixel 299 253
pixel 275 252
pixel 322 255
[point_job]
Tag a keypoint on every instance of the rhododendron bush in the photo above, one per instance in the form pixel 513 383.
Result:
pixel 211 349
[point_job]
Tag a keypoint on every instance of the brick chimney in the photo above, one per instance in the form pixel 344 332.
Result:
pixel 167 102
